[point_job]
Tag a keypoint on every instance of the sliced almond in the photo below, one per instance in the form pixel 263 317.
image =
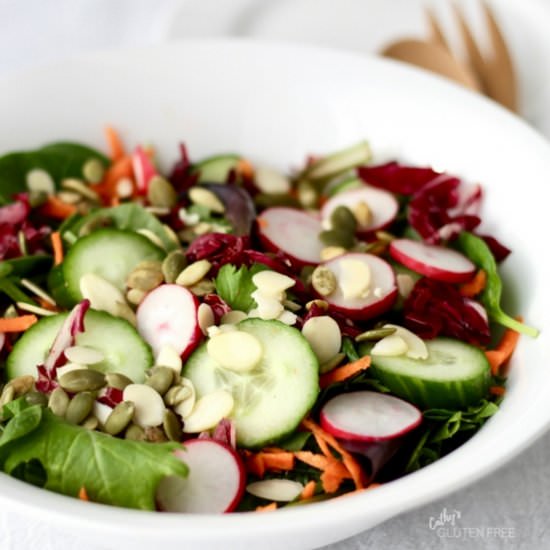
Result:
pixel 193 273
pixel 268 307
pixel 101 412
pixel 362 213
pixel 324 337
pixel 330 252
pixel 205 317
pixel 84 355
pixel 206 198
pixel 287 317
pixel 153 237
pixel 355 278
pixel 135 296
pixel 390 346
pixel 270 181
pixel 405 284
pixel 39 180
pixel 103 295
pixel 169 357
pixel 149 406
pixel 416 347
pixel 233 317
pixel 235 350
pixel 208 411
pixel 278 490
pixel 271 283
pixel 60 371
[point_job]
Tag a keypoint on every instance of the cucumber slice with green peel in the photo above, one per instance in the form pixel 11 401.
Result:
pixel 125 351
pixel 273 398
pixel 216 169
pixel 455 374
pixel 110 253
pixel 345 184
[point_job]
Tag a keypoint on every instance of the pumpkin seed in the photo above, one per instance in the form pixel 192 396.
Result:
pixel 160 379
pixel 22 384
pixel 323 280
pixel 79 407
pixel 119 418
pixel 306 273
pixel 144 279
pixel 36 398
pixel 79 187
pixel 176 395
pixel 148 234
pixel 193 273
pixel 384 236
pixel 117 380
pixel 39 180
pixel 91 423
pixel 307 194
pixel 93 224
pixel 202 228
pixel 319 303
pixel 8 394
pixel 185 407
pixel 330 252
pixel 155 435
pixel 135 296
pixel 172 426
pixel 204 197
pixel 265 200
pixel 161 193
pixel 93 170
pixel 82 380
pixel 37 198
pixel 343 218
pixel 135 433
pixel 363 214
pixel 203 288
pixel 58 402
pixel 173 265
pixel 375 334
pixel 337 237
pixel 171 234
pixel 152 265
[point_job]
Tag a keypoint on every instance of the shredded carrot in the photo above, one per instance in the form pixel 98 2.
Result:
pixel 82 494
pixel 497 390
pixel 254 463
pixel 45 304
pixel 475 286
pixel 343 373
pixel 57 209
pixel 311 459
pixel 333 476
pixel 245 169
pixel 268 508
pixel 17 324
pixel 262 223
pixel 57 245
pixel 121 168
pixel 116 147
pixel 279 461
pixel 499 356
pixel 309 490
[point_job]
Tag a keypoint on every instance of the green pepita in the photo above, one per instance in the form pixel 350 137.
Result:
pixel 80 407
pixel 58 402
pixel 135 433
pixel 93 170
pixel 342 218
pixel 117 380
pixel 176 395
pixel 204 197
pixel 172 426
pixel 80 188
pixel 144 279
pixel 22 384
pixel 155 435
pixel 36 398
pixel 173 265
pixel 161 193
pixel 135 296
pixel 374 334
pixel 119 418
pixel 307 194
pixel 323 280
pixel 319 303
pixel 330 252
pixel 8 394
pixel 337 237
pixel 266 200
pixel 82 380
pixel 203 288
pixel 91 423
pixel 160 379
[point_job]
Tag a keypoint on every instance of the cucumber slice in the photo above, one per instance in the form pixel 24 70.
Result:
pixel 344 184
pixel 216 169
pixel 109 253
pixel 125 351
pixel 273 398
pixel 454 375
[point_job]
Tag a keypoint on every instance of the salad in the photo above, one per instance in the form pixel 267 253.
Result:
pixel 226 337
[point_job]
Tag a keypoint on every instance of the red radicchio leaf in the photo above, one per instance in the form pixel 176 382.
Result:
pixel 397 178
pixel 435 308
pixel 181 177
pixel 111 397
pixel 224 432
pixel 500 252
pixel 219 249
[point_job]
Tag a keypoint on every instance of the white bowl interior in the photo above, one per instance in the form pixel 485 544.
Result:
pixel 276 104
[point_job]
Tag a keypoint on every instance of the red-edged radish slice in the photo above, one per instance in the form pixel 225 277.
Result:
pixel 168 316
pixel 365 416
pixel 215 484
pixel 144 169
pixel 294 232
pixel 382 291
pixel 382 205
pixel 436 262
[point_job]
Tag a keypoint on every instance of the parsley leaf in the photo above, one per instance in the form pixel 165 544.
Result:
pixel 235 286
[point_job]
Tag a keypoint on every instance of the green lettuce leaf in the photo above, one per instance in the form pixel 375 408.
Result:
pixel 235 286
pixel 113 471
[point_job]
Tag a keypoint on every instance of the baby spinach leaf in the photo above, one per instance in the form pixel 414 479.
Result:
pixel 60 160
pixel 235 286
pixel 295 442
pixel 113 471
pixel 128 216
pixel 476 249
pixel 26 266
pixel 31 472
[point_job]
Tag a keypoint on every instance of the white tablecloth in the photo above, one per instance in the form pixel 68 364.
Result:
pixel 509 509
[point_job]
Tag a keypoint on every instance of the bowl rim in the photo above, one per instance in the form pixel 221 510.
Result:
pixel 383 502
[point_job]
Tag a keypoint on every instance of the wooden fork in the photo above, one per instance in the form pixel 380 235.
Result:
pixel 494 69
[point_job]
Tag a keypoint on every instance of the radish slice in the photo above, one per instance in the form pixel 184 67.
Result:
pixel 143 168
pixel 168 316
pixel 215 483
pixel 436 262
pixel 382 204
pixel 292 231
pixel 366 416
pixel 381 294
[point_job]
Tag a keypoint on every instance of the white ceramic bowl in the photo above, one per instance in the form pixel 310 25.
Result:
pixel 277 103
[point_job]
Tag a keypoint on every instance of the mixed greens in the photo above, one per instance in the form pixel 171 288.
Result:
pixel 293 337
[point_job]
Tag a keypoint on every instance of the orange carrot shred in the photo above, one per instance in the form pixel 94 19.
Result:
pixel 268 508
pixel 311 459
pixel 57 209
pixel 278 461
pixel 309 490
pixel 45 304
pixel 475 286
pixel 262 223
pixel 499 356
pixel 57 245
pixel 333 476
pixel 116 147
pixel 497 390
pixel 245 168
pixel 82 494
pixel 17 324
pixel 254 464
pixel 343 373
